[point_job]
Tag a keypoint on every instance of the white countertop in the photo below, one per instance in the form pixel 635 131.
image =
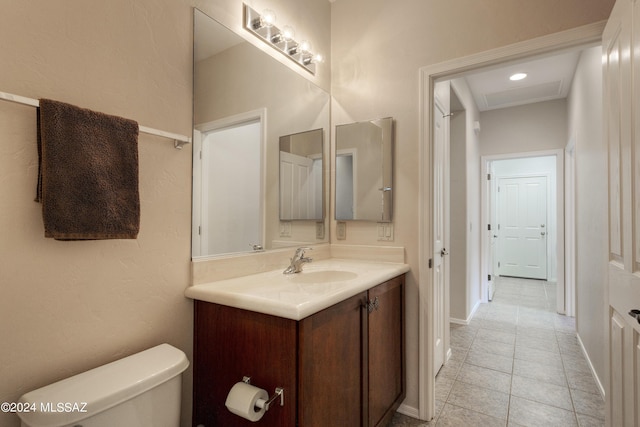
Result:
pixel 321 284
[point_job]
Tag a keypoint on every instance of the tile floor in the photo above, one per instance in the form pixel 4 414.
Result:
pixel 517 364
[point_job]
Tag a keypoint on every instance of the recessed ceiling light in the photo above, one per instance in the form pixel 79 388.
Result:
pixel 518 76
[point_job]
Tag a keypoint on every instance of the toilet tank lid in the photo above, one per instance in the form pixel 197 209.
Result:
pixel 102 388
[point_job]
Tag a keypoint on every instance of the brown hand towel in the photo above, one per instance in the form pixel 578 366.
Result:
pixel 88 173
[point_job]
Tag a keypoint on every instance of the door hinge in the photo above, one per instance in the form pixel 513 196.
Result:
pixel 489 277
pixel 430 262
pixel 199 230
pixel 498 189
pixel 498 227
pixel 489 227
pixel 498 264
pixel 488 177
pixel 200 153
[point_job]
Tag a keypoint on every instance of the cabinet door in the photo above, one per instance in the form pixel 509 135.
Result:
pixel 386 367
pixel 330 360
pixel 231 343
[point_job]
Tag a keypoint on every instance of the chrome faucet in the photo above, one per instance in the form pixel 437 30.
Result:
pixel 297 261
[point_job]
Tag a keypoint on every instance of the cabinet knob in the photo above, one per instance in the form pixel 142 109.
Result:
pixel 373 305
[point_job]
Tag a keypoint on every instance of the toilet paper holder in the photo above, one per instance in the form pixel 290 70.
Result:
pixel 266 405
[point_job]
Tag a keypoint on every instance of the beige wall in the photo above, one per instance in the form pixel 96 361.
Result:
pixel 465 278
pixel 69 306
pixel 585 127
pixel 533 127
pixel 458 217
pixel 378 47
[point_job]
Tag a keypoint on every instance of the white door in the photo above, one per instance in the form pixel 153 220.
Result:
pixel 522 227
pixel 622 133
pixel 441 223
pixel 231 190
pixel 297 187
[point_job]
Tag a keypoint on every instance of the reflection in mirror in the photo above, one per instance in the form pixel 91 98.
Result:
pixel 364 171
pixel 301 176
pixel 244 101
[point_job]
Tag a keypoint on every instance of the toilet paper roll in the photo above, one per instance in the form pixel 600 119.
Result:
pixel 242 400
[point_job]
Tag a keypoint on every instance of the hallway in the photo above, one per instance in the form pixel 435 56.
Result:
pixel 518 363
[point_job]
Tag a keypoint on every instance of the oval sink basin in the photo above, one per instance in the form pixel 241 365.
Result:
pixel 323 276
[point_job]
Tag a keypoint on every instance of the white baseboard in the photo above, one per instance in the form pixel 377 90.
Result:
pixel 409 411
pixel 458 321
pixel 468 319
pixel 593 371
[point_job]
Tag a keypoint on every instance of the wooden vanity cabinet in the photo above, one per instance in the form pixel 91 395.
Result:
pixel 341 366
pixel 386 360
pixel 230 343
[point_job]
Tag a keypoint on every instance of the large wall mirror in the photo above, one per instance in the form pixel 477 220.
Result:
pixel 364 171
pixel 248 109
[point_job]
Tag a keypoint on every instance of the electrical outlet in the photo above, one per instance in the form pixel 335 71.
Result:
pixel 319 230
pixel 341 230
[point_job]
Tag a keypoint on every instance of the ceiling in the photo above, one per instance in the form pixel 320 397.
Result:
pixel 547 78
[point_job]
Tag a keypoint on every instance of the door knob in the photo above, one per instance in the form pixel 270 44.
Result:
pixel 542 233
pixel 636 314
pixel 444 252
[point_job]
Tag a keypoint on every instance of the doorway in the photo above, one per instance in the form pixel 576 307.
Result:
pixel 523 206
pixel 580 37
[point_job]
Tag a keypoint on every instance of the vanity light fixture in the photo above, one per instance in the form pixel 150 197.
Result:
pixel 517 76
pixel 282 40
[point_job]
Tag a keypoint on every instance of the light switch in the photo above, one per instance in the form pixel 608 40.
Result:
pixel 285 228
pixel 385 231
pixel 341 230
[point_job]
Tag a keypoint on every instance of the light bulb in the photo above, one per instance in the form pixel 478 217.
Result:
pixel 288 33
pixel 305 46
pixel 318 58
pixel 268 18
pixel 517 76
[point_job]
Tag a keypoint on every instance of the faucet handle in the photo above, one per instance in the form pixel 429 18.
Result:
pixel 300 251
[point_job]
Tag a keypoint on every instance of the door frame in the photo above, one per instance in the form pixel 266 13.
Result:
pixel 484 219
pixel 353 153
pixel 570 227
pixel 580 37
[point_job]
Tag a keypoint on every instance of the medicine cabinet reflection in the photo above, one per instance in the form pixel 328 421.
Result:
pixel 364 171
pixel 301 176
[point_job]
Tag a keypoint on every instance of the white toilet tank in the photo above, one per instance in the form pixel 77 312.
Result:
pixel 142 390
